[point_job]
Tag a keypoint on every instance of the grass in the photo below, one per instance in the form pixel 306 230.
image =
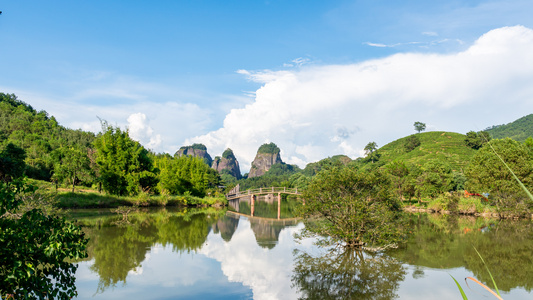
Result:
pixel 97 200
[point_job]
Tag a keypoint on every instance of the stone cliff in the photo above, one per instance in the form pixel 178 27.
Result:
pixel 196 150
pixel 267 156
pixel 227 164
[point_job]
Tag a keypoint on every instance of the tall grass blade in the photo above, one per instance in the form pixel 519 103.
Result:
pixel 490 274
pixel 482 285
pixel 460 288
pixel 515 177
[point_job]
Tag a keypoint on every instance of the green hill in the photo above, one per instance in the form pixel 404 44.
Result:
pixel 436 145
pixel 518 130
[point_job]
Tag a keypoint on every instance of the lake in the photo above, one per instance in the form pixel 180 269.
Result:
pixel 218 254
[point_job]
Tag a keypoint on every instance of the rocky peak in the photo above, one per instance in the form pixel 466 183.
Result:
pixel 195 150
pixel 267 156
pixel 227 163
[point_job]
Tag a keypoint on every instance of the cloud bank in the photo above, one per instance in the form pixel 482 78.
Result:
pixel 318 111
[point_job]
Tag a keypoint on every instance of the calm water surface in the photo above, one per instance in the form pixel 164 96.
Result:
pixel 214 254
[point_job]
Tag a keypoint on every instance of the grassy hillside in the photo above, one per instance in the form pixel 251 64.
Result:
pixel 518 130
pixel 437 145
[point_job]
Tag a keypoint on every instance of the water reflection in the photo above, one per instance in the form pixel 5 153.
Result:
pixel 213 254
pixel 347 274
pixel 446 242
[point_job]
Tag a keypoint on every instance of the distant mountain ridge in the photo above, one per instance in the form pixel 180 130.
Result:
pixel 518 130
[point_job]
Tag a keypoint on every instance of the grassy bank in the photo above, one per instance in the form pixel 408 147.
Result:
pixel 97 200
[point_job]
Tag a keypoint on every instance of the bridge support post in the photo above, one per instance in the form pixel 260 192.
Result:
pixel 279 205
pixel 253 205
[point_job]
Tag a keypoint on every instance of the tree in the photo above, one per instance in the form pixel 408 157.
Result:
pixel 419 126
pixel 486 173
pixel 35 246
pixel 371 151
pixel 352 208
pixel 411 142
pixel 124 165
pixel 476 140
pixel 72 165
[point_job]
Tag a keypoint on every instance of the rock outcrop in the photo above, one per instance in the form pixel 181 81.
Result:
pixel 227 164
pixel 196 150
pixel 267 156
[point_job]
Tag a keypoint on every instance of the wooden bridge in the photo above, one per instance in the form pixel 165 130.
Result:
pixel 236 193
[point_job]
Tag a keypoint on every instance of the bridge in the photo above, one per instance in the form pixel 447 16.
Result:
pixel 236 193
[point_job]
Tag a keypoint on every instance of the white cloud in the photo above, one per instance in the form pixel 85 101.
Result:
pixel 140 131
pixel 379 100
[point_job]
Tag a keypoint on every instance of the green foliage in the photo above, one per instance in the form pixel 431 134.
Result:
pixel 36 133
pixel 447 147
pixel 488 174
pixel 419 126
pixel 278 176
pixel 12 163
pixel 34 248
pixel 228 154
pixel 312 169
pixel 518 130
pixel 199 147
pixel 476 140
pixel 435 179
pixel 352 208
pixel 269 148
pixel 72 166
pixel 371 151
pixel 125 167
pixel 411 142
pixel 185 174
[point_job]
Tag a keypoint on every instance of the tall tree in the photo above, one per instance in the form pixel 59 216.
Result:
pixel 72 166
pixel 353 209
pixel 124 165
pixel 419 126
pixel 370 151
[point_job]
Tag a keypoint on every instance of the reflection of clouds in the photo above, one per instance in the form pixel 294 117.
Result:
pixel 267 272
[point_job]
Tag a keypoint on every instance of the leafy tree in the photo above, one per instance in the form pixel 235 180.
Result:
pixel 411 142
pixel 401 182
pixel 73 165
pixel 34 245
pixel 435 179
pixel 488 174
pixel 371 151
pixel 419 126
pixel 124 165
pixel 352 208
pixel 476 140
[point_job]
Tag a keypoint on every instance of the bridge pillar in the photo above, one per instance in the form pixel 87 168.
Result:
pixel 253 205
pixel 279 205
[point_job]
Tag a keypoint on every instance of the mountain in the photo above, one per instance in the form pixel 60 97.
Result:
pixel 227 164
pixel 195 150
pixel 267 156
pixel 518 130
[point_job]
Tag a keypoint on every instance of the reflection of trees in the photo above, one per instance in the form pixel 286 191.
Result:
pixel 448 242
pixel 347 275
pixel 116 250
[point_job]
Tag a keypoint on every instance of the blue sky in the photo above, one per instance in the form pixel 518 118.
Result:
pixel 241 73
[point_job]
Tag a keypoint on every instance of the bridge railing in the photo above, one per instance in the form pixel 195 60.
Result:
pixel 262 191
